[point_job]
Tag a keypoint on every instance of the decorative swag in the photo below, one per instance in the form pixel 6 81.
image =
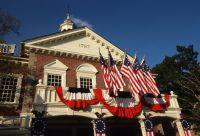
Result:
pixel 75 97
pixel 127 107
pixel 121 107
pixel 156 104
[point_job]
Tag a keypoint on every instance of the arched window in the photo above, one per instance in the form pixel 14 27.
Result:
pixel 86 76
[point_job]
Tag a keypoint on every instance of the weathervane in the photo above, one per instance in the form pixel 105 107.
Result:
pixel 68 11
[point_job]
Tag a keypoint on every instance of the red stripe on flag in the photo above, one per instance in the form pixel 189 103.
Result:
pixel 128 73
pixel 150 133
pixel 141 80
pixel 187 132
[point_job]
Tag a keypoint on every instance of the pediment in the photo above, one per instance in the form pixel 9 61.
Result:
pixel 56 64
pixel 84 42
pixel 86 67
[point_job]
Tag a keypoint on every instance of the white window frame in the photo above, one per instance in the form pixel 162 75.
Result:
pixel 88 71
pixel 54 82
pixel 18 87
pixel 56 67
pixel 86 78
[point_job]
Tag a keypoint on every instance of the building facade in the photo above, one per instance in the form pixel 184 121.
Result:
pixel 70 59
pixel 12 87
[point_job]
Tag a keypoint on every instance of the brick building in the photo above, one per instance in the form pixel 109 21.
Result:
pixel 70 58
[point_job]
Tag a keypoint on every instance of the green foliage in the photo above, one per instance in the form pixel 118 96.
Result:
pixel 181 73
pixel 170 70
pixel 8 23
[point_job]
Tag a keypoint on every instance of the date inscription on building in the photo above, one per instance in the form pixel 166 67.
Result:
pixel 86 46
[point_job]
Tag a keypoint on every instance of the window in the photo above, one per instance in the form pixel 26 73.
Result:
pixel 10 88
pixel 86 82
pixel 86 76
pixel 54 80
pixel 55 74
pixel 5 49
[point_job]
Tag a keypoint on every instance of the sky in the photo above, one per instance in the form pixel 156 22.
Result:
pixel 150 28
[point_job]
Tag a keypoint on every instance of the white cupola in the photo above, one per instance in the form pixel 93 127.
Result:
pixel 67 24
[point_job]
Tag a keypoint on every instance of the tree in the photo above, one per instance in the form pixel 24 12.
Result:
pixel 8 23
pixel 181 73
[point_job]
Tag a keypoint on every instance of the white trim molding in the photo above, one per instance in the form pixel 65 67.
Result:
pixel 86 70
pixel 55 67
pixel 18 87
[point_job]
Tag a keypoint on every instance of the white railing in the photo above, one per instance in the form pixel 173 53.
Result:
pixel 48 95
pixel 51 95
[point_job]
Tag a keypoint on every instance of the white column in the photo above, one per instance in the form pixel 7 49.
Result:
pixel 93 126
pixel 25 120
pixel 142 126
pixel 179 127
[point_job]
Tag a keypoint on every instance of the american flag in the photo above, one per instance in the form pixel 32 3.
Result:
pixel 138 71
pixel 150 82
pixel 116 81
pixel 127 72
pixel 105 71
pixel 100 127
pixel 186 127
pixel 149 127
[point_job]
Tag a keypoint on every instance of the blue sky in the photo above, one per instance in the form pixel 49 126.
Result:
pixel 147 27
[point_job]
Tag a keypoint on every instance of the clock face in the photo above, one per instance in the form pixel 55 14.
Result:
pixel 185 124
pixel 100 126
pixel 148 125
pixel 38 126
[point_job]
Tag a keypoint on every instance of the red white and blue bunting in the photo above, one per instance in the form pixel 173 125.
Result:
pixel 76 99
pixel 121 107
pixel 127 107
pixel 156 104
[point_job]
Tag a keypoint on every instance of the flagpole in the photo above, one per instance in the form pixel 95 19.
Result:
pixel 134 58
pixel 109 68
pixel 124 56
pixel 142 60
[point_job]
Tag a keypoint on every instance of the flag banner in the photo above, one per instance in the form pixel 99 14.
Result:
pixel 186 127
pixel 155 103
pixel 121 107
pixel 149 127
pixel 76 97
pixel 127 72
pixel 138 71
pixel 116 81
pixel 105 71
pixel 38 126
pixel 100 127
pixel 150 82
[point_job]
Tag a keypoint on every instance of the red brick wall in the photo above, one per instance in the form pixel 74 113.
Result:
pixel 71 63
pixel 10 67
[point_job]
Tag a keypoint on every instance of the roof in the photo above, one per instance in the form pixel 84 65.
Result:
pixel 52 34
pixel 76 29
